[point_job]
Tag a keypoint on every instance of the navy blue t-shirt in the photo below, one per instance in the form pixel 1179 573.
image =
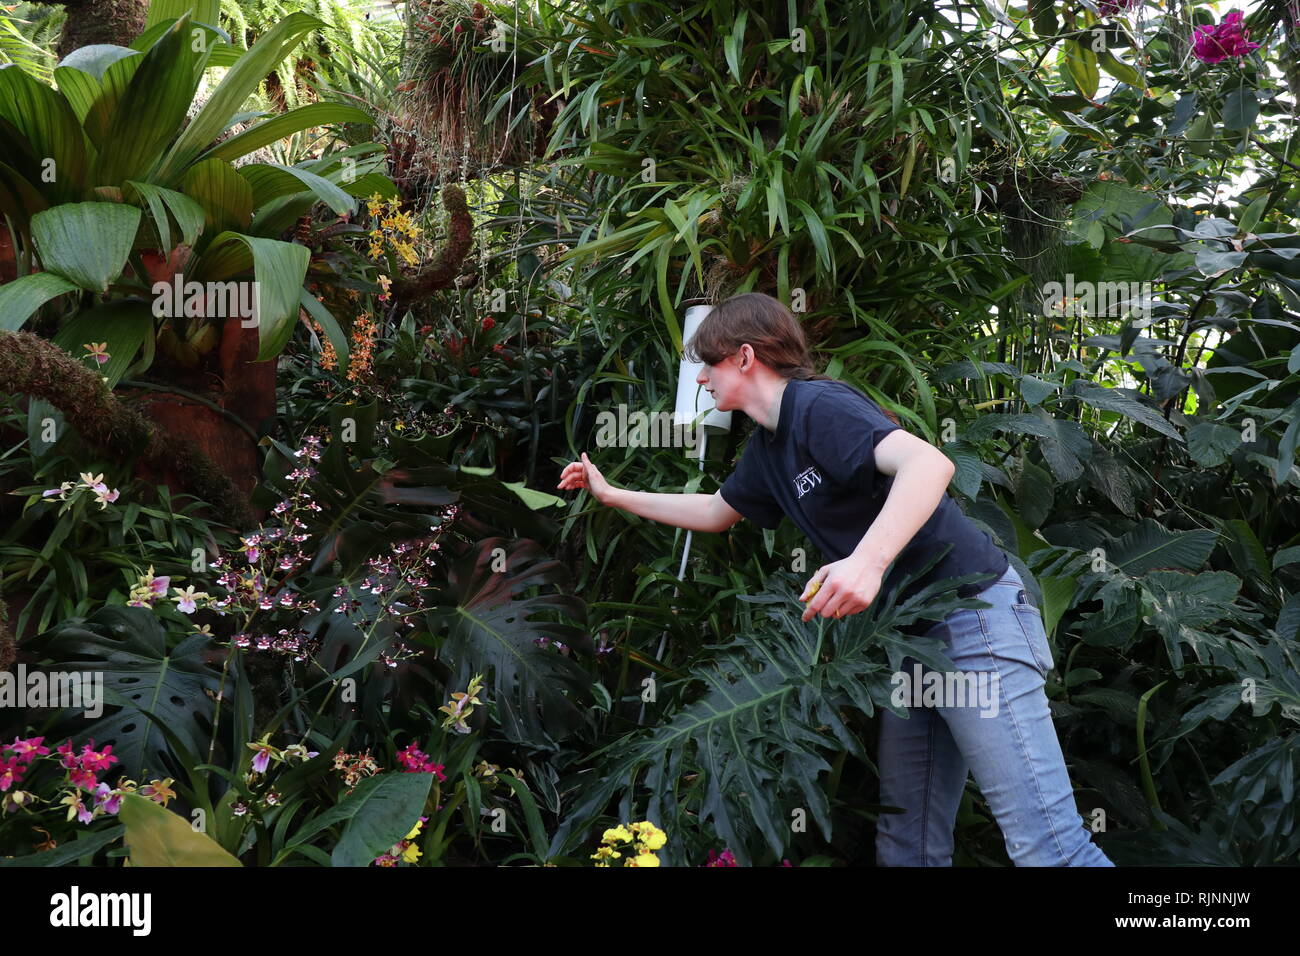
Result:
pixel 820 470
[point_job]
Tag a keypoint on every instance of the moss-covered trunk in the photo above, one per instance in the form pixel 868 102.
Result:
pixel 101 21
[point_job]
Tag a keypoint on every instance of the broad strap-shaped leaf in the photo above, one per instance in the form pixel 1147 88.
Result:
pixel 122 326
pixel 93 79
pixel 19 198
pixel 225 196
pixel 279 269
pixel 157 837
pixel 24 295
pixel 540 693
pixel 50 128
pixel 286 124
pixel 86 242
pixel 190 215
pixel 234 90
pixel 150 110
pixel 272 180
pixel 364 180
pixel 69 853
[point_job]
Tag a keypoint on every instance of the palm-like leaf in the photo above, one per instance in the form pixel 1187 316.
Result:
pixel 752 746
pixel 145 678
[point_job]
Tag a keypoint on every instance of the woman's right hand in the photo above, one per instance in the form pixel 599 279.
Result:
pixel 583 474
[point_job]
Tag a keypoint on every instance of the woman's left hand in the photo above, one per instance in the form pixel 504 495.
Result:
pixel 841 588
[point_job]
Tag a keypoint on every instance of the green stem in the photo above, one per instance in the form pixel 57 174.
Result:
pixel 335 685
pixel 216 715
pixel 1148 784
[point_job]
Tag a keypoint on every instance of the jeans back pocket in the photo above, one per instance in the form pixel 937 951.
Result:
pixel 1031 622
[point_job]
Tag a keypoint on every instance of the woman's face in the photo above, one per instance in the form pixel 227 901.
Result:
pixel 723 381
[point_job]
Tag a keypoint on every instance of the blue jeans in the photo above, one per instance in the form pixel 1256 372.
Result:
pixel 1008 741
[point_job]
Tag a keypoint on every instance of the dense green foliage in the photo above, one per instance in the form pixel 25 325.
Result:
pixel 911 180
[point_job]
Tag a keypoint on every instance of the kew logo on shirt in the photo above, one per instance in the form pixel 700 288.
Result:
pixel 806 481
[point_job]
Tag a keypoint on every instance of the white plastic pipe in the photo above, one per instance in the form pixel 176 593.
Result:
pixel 691 398
pixel 691 401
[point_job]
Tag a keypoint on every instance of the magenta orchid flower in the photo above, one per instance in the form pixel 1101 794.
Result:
pixel 1227 39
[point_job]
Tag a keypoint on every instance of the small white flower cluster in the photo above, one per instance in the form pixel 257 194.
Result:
pixel 88 482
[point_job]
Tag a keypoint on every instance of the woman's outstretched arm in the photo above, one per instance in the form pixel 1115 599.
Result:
pixel 694 512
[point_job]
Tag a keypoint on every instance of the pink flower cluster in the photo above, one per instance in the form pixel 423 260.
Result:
pixel 23 753
pixel 1227 39
pixel 257 578
pixel 399 580
pixel 727 858
pixel 416 760
pixel 82 767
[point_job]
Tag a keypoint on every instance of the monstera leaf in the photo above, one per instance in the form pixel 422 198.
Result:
pixel 540 693
pixel 129 647
pixel 736 759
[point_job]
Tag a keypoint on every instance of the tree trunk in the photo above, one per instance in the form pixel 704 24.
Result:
pixel 101 21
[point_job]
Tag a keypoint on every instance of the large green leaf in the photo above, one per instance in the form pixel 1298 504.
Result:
pixel 279 269
pixel 1151 546
pixel 143 677
pixel 121 325
pixel 286 124
pixel 271 180
pixel 19 198
pixel 200 11
pixel 93 79
pixel 190 215
pixel 1181 606
pixel 1111 399
pixel 362 179
pixel 157 837
pixel 24 295
pixel 1209 443
pixel 1122 208
pixel 150 110
pixel 741 756
pixel 376 815
pixel 540 694
pixel 86 242
pixel 239 83
pixel 1081 67
pixel 225 196
pixel 49 125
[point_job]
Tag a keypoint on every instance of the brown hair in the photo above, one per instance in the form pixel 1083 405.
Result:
pixel 769 327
